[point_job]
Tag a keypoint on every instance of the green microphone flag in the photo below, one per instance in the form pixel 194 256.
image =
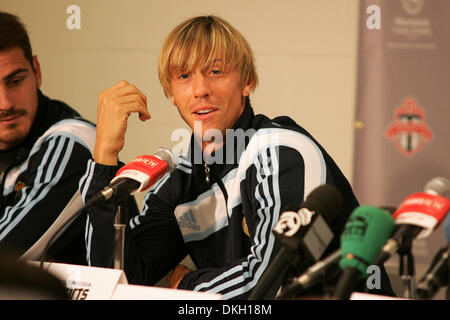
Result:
pixel 365 233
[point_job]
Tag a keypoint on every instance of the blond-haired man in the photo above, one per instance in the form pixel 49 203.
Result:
pixel 218 208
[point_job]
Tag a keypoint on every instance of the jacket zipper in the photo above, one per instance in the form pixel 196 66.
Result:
pixel 207 171
pixel 219 182
pixel 208 175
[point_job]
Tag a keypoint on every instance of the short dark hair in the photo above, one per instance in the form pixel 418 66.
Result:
pixel 14 34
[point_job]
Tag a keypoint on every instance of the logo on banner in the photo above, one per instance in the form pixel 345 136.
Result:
pixel 413 7
pixel 409 130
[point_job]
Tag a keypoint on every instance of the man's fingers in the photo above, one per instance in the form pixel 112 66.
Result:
pixel 134 103
pixel 117 86
pixel 130 89
pixel 123 88
pixel 115 105
pixel 124 98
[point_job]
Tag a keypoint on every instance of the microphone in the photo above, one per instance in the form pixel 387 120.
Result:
pixel 436 276
pixel 136 176
pixel 365 233
pixel 418 215
pixel 305 230
pixel 438 186
pixel 316 272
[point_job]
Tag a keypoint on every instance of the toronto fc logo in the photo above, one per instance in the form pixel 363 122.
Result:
pixel 409 130
pixel 413 7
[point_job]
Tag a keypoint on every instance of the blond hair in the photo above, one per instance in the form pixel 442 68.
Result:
pixel 200 41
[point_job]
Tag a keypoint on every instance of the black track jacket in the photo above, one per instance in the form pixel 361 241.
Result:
pixel 225 225
pixel 41 180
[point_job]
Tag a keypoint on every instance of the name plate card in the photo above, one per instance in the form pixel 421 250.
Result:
pixel 87 283
pixel 94 283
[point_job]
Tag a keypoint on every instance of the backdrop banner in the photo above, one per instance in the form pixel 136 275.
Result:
pixel 402 120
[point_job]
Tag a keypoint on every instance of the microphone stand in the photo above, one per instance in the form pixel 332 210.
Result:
pixel 407 271
pixel 120 223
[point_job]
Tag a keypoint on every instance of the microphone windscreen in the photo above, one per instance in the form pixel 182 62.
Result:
pixel 166 155
pixel 325 199
pixel 424 210
pixel 438 186
pixel 365 232
pixel 146 169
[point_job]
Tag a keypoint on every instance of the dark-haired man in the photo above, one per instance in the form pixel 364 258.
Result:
pixel 44 148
